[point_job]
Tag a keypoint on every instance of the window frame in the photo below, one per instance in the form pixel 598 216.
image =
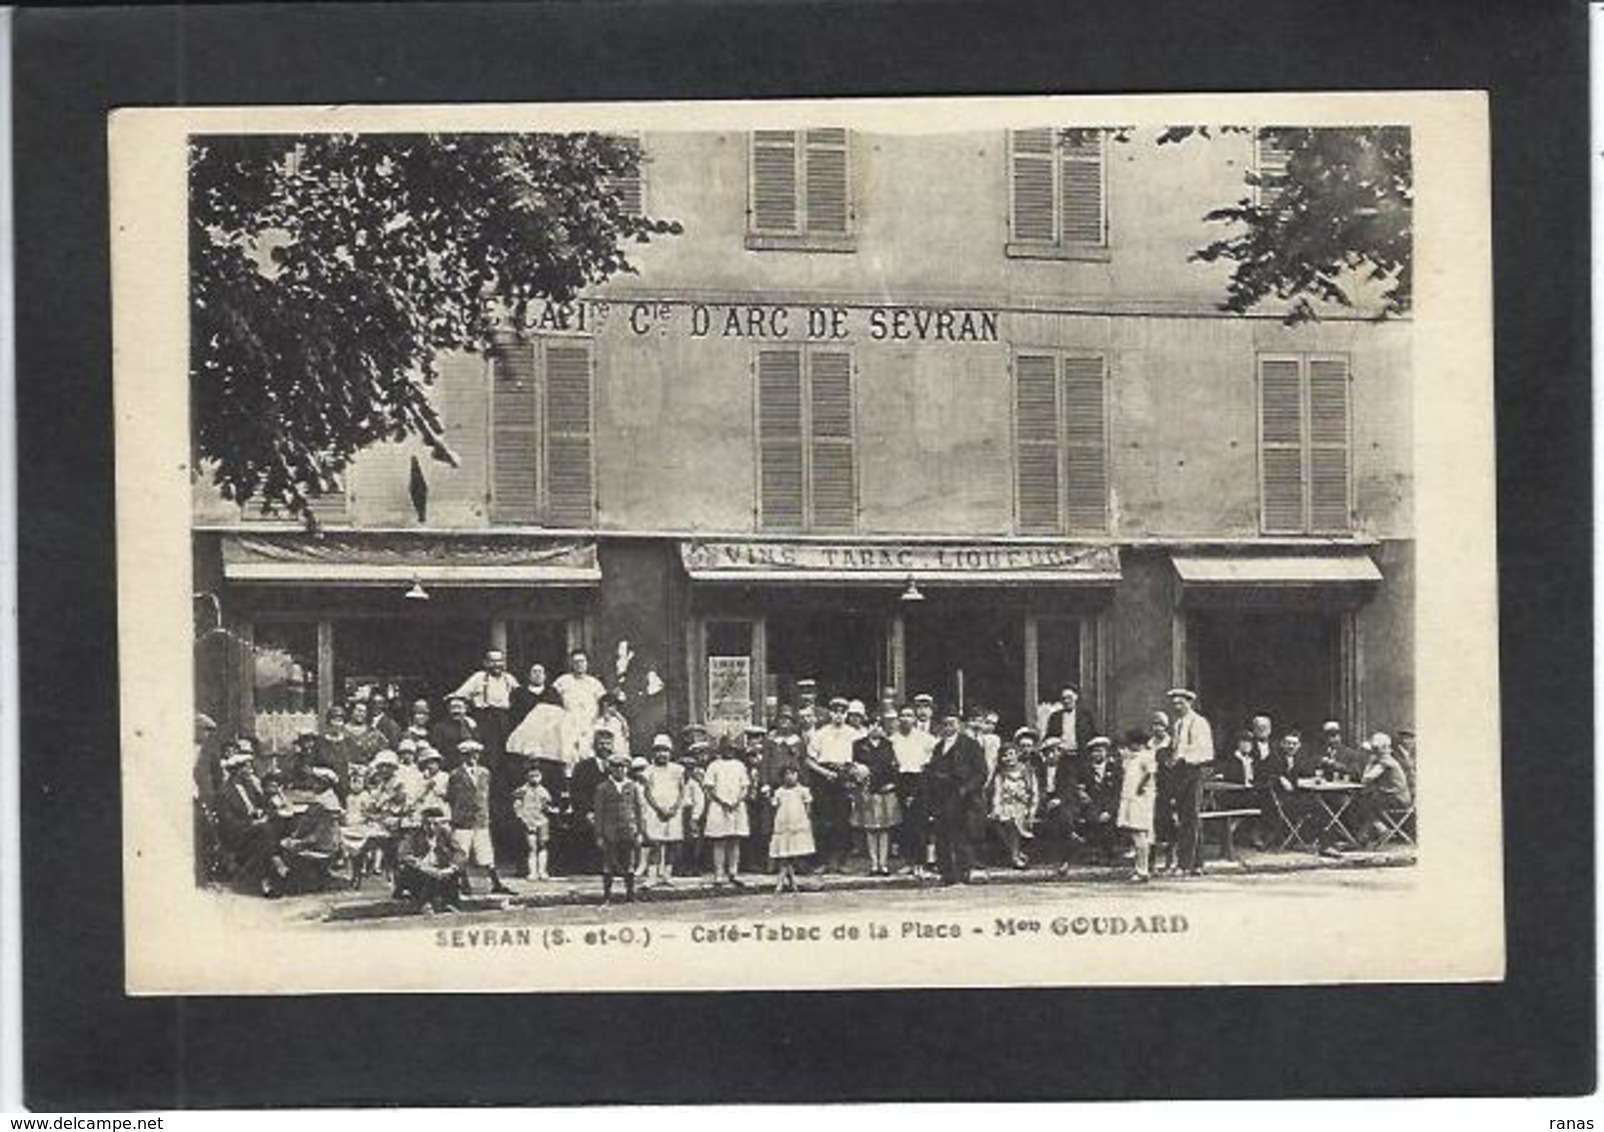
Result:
pixel 1059 248
pixel 1064 527
pixel 1306 444
pixel 809 524
pixel 543 344
pixel 801 239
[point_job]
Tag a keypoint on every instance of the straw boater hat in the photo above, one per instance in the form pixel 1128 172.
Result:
pixel 638 763
pixel 617 757
pixel 855 707
pixel 1099 741
pixel 840 703
pixel 1025 733
pixel 924 699
pixel 661 741
pixel 470 745
pixel 384 758
pixel 427 754
pixel 1183 693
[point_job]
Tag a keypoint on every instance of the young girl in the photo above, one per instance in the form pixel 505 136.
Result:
pixel 662 815
pixel 1138 788
pixel 1013 802
pixel 727 784
pixel 531 802
pixel 793 826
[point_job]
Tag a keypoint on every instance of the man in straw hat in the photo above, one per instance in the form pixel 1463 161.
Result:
pixel 617 809
pixel 1194 753
pixel 468 792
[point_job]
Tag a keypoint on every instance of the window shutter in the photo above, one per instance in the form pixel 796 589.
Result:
pixel 515 434
pixel 569 482
pixel 459 394
pixel 631 189
pixel 1328 445
pixel 1281 444
pixel 1270 162
pixel 826 194
pixel 1032 197
pixel 1085 444
pixel 1081 154
pixel 774 181
pixel 1037 453
pixel 779 406
pixel 833 473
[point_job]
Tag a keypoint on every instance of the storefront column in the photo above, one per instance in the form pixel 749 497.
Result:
pixel 1350 663
pixel 1181 665
pixel 498 634
pixel 1032 668
pixel 325 668
pixel 897 654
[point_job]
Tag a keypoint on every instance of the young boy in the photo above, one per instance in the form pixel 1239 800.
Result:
pixel 468 792
pixel 532 803
pixel 618 825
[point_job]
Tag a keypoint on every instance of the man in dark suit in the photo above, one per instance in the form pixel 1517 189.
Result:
pixel 1071 724
pixel 955 785
pixel 1097 797
pixel 616 815
pixel 445 734
pixel 1339 759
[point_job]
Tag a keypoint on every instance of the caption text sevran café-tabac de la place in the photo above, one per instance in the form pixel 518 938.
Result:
pixel 629 936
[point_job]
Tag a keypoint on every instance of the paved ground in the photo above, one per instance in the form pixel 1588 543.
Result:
pixel 575 900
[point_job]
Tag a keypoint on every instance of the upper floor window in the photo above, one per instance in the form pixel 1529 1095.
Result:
pixel 632 188
pixel 1305 481
pixel 541 414
pixel 807 465
pixel 801 194
pixel 1060 442
pixel 1270 156
pixel 1058 193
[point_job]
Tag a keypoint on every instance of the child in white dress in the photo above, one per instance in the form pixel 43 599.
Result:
pixel 1138 789
pixel 792 838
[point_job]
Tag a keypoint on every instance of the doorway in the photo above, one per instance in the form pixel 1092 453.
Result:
pixel 1283 663
pixel 964 649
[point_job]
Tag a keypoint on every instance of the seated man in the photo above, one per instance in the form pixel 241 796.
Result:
pixel 429 864
pixel 1097 799
pixel 311 844
pixel 1385 789
pixel 247 827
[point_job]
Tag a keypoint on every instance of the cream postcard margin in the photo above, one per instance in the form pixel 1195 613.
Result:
pixel 1443 921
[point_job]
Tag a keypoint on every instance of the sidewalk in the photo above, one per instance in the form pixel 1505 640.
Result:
pixel 373 901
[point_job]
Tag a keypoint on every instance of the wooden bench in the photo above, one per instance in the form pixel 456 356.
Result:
pixel 1229 820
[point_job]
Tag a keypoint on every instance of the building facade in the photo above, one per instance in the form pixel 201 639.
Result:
pixel 945 412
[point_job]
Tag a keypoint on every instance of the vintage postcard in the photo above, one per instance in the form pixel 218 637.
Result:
pixel 834 544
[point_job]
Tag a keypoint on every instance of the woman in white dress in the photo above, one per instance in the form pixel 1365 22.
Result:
pixel 581 695
pixel 727 784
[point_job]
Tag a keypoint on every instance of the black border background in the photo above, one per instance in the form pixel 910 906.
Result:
pixel 88 1046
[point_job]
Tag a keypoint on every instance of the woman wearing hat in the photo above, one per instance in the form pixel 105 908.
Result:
pixel 875 809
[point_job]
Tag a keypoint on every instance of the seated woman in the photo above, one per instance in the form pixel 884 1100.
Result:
pixel 1013 802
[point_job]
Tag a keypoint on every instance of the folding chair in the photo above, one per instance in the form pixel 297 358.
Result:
pixel 1292 824
pixel 1400 827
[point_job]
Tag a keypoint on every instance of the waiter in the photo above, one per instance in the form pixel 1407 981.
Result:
pixel 1194 751
pixel 489 693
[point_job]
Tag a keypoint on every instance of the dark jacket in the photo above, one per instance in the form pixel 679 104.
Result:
pixel 881 760
pixel 955 779
pixel 1085 725
pixel 588 774
pixel 445 734
pixel 617 809
pixel 468 795
pixel 1098 796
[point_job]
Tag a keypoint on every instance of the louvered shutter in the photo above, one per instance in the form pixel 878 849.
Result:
pixel 1281 444
pixel 569 486
pixel 1328 445
pixel 779 401
pixel 826 196
pixel 630 189
pixel 1085 444
pixel 774 182
pixel 1270 162
pixel 1033 200
pixel 514 434
pixel 833 475
pixel 1037 450
pixel 1081 187
pixel 459 395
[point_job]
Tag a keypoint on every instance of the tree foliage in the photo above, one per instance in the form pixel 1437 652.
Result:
pixel 1331 222
pixel 328 272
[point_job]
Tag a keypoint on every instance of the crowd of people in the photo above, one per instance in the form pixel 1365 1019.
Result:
pixel 535 778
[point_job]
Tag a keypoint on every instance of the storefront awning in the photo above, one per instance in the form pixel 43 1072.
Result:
pixel 1344 568
pixel 382 559
pixel 796 561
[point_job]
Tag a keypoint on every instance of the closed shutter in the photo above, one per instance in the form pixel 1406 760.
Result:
pixel 514 434
pixel 631 189
pixel 570 490
pixel 1270 162
pixel 1033 201
pixel 1085 444
pixel 825 163
pixel 1081 156
pixel 1329 509
pixel 833 479
pixel 1037 451
pixel 1281 445
pixel 460 390
pixel 779 406
pixel 774 182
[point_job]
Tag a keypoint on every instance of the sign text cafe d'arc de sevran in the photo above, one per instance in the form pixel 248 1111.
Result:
pixel 905 435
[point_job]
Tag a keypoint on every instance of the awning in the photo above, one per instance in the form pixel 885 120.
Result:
pixel 382 559
pixel 997 563
pixel 1341 568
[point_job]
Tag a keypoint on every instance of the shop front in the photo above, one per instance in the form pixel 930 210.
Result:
pixel 1277 634
pixel 319 619
pixel 1004 624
